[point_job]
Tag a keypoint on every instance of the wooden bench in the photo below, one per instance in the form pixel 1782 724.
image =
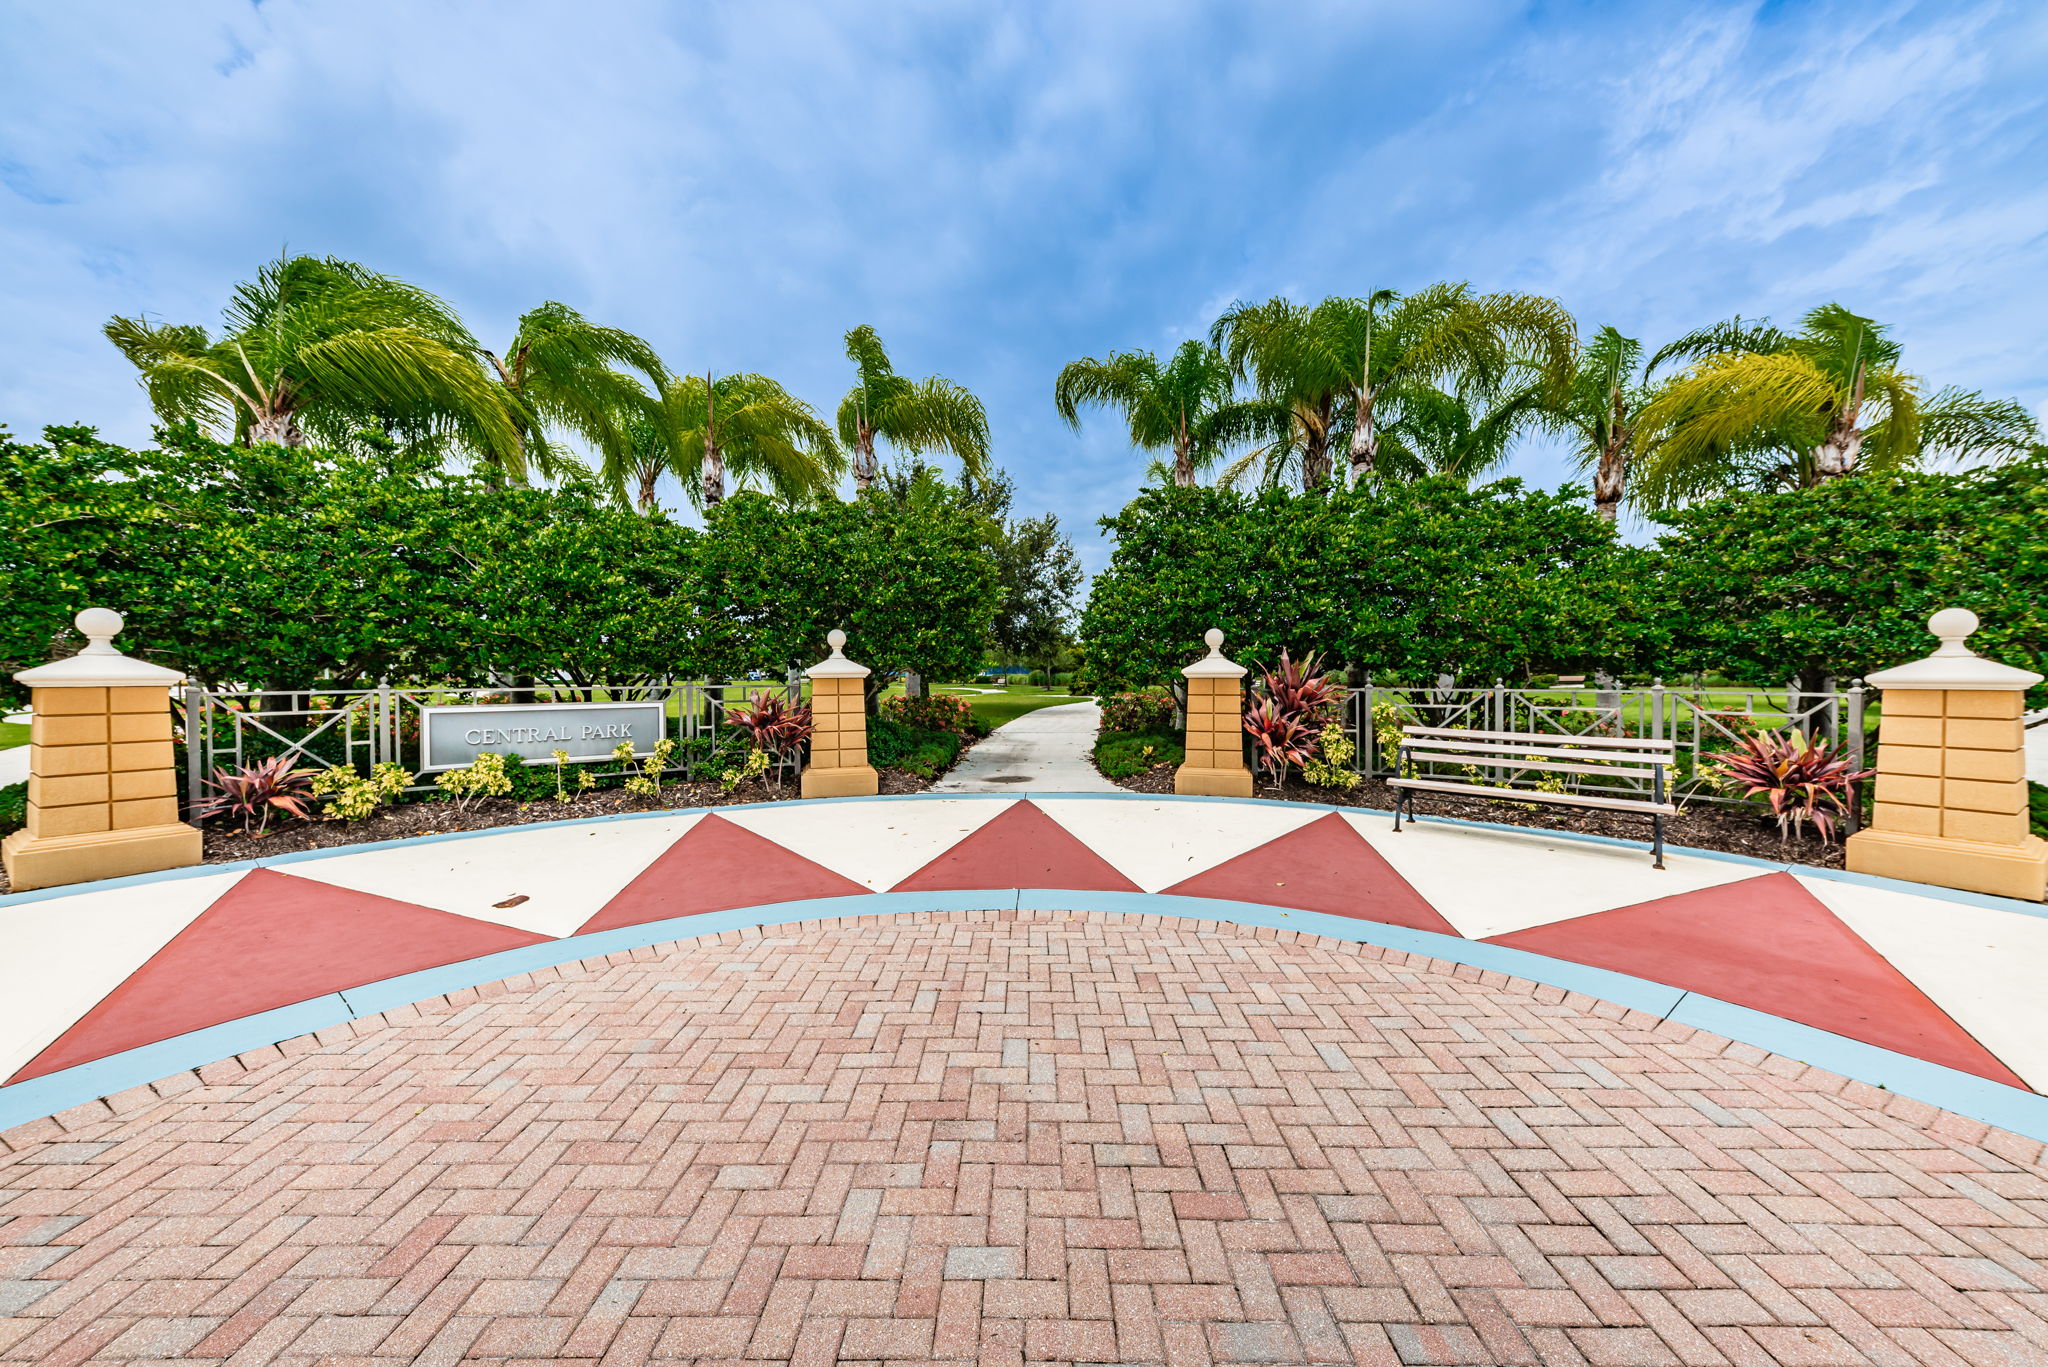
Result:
pixel 1491 761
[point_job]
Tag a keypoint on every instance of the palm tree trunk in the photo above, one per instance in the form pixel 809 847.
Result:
pixel 1365 440
pixel 864 461
pixel 1608 480
pixel 1183 462
pixel 1315 462
pixel 713 473
pixel 1838 455
pixel 280 429
pixel 649 474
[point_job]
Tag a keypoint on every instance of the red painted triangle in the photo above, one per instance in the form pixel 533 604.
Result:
pixel 717 866
pixel 271 940
pixel 1022 848
pixel 1324 866
pixel 1768 944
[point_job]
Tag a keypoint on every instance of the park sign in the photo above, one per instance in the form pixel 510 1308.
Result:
pixel 451 737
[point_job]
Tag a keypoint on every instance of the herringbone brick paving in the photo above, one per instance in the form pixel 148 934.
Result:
pixel 1044 1138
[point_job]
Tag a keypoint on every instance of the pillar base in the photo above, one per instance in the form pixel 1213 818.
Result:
pixel 1193 781
pixel 860 781
pixel 54 860
pixel 2002 870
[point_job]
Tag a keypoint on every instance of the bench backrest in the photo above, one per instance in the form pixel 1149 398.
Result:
pixel 1627 760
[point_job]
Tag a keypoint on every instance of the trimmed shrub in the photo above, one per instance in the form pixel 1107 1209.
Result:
pixel 14 807
pixel 1124 754
pixel 934 712
pixel 1146 710
pixel 894 745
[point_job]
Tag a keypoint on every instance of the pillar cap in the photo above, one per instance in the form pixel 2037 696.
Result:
pixel 836 665
pixel 99 665
pixel 1954 665
pixel 1213 665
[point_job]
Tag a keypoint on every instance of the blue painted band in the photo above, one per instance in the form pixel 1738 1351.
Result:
pixel 2009 1108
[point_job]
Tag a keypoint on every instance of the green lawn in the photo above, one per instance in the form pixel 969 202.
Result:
pixel 12 734
pixel 1013 702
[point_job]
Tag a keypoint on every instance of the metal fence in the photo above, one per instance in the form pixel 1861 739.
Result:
pixel 321 728
pixel 1699 722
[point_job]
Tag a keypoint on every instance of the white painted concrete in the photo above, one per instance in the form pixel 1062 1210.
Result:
pixel 1982 966
pixel 2037 748
pixel 566 873
pixel 60 957
pixel 1046 751
pixel 1491 882
pixel 876 844
pixel 13 765
pixel 1156 845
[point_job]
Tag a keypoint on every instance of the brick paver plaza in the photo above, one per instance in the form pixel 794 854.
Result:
pixel 1036 1137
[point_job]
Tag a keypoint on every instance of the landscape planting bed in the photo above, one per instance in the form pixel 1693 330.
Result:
pixel 1701 826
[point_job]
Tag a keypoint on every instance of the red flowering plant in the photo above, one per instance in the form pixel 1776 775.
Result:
pixel 1803 779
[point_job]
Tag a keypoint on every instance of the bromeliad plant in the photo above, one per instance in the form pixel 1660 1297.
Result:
pixel 1287 712
pixel 256 792
pixel 1280 742
pixel 1804 780
pixel 779 730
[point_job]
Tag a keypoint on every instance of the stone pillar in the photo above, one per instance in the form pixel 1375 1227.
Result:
pixel 102 790
pixel 1215 764
pixel 1951 773
pixel 839 717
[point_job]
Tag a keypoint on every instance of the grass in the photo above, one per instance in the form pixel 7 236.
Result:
pixel 1013 702
pixel 12 733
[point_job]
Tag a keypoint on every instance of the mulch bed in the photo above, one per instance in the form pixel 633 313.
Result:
pixel 1703 826
pixel 225 845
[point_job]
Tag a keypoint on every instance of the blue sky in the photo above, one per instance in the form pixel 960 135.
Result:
pixel 1000 189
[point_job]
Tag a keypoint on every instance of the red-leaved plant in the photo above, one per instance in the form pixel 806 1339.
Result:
pixel 1285 714
pixel 256 792
pixel 1301 689
pixel 1804 780
pixel 773 725
pixel 1279 742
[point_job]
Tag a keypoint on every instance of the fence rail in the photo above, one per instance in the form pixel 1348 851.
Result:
pixel 1698 722
pixel 321 728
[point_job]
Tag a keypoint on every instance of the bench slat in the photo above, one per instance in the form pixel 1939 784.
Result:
pixel 1616 804
pixel 1436 751
pixel 1548 766
pixel 1528 737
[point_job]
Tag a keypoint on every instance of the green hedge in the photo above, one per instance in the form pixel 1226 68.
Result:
pixel 1124 754
pixel 13 807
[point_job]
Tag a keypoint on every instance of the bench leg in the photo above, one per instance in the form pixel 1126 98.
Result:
pixel 1657 850
pixel 1400 796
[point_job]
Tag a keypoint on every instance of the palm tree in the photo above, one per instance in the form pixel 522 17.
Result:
pixel 1760 408
pixel 916 416
pixel 1187 406
pixel 1599 414
pixel 319 349
pixel 1338 364
pixel 746 427
pixel 565 373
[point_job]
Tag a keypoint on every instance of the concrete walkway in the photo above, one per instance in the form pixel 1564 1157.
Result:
pixel 13 765
pixel 1044 751
pixel 2037 747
